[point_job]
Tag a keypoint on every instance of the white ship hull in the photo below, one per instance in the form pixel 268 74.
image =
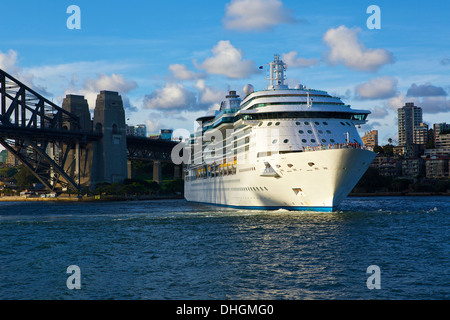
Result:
pixel 317 181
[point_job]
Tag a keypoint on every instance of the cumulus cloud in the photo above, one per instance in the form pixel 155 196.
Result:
pixel 209 96
pixel 92 87
pixel 8 61
pixel 256 15
pixel 228 61
pixel 377 88
pixel 378 113
pixel 172 97
pixel 346 48
pixel 181 72
pixel 430 104
pixel 293 61
pixel 425 90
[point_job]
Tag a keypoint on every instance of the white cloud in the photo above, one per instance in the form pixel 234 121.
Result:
pixel 377 88
pixel 172 97
pixel 228 61
pixel 256 15
pixel 92 87
pixel 425 90
pixel 207 95
pixel 293 61
pixel 346 48
pixel 431 104
pixel 8 62
pixel 181 72
pixel 378 113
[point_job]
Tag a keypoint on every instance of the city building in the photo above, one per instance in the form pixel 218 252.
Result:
pixel 420 134
pixel 441 135
pixel 413 167
pixel 409 118
pixel 140 130
pixel 370 138
pixel 437 167
pixel 387 166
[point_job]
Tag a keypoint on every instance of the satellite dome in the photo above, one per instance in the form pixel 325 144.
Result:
pixel 248 89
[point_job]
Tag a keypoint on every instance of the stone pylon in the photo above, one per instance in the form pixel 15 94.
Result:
pixel 110 152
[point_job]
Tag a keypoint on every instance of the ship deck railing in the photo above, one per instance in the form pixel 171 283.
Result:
pixel 350 145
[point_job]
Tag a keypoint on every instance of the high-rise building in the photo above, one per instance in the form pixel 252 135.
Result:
pixel 370 139
pixel 409 118
pixel 140 130
pixel 421 134
pixel 441 135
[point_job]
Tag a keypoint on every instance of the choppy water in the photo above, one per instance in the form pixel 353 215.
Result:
pixel 175 250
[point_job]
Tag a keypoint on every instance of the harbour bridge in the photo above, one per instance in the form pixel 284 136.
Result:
pixel 63 147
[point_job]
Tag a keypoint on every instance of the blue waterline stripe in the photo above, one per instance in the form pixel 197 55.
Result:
pixel 316 209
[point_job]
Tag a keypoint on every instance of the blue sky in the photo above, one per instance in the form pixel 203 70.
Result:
pixel 173 61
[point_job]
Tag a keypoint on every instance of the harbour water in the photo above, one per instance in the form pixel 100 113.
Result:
pixel 170 249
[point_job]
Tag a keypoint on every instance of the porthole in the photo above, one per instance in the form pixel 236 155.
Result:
pixel 277 123
pixel 306 123
pixel 328 131
pixel 320 131
pixel 343 124
pixel 313 140
pixel 297 123
pixel 332 140
pixel 304 140
pixel 317 123
pixel 286 140
pixel 309 131
pixel 300 131
pixel 260 124
pixel 325 123
pixel 323 140
pixel 274 141
pixel 348 124
pixel 270 123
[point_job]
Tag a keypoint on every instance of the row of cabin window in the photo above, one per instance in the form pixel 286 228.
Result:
pixel 305 123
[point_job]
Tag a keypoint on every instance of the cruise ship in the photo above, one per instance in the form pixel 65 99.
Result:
pixel 278 148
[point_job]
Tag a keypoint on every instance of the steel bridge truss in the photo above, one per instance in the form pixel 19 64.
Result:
pixel 41 135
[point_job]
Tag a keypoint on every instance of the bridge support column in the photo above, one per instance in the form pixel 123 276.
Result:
pixel 157 172
pixel 110 155
pixel 177 172
pixel 130 169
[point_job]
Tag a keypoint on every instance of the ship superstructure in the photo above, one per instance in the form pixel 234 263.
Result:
pixel 294 148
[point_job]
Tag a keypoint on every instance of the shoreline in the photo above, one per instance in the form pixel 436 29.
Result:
pixel 85 199
pixel 74 198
